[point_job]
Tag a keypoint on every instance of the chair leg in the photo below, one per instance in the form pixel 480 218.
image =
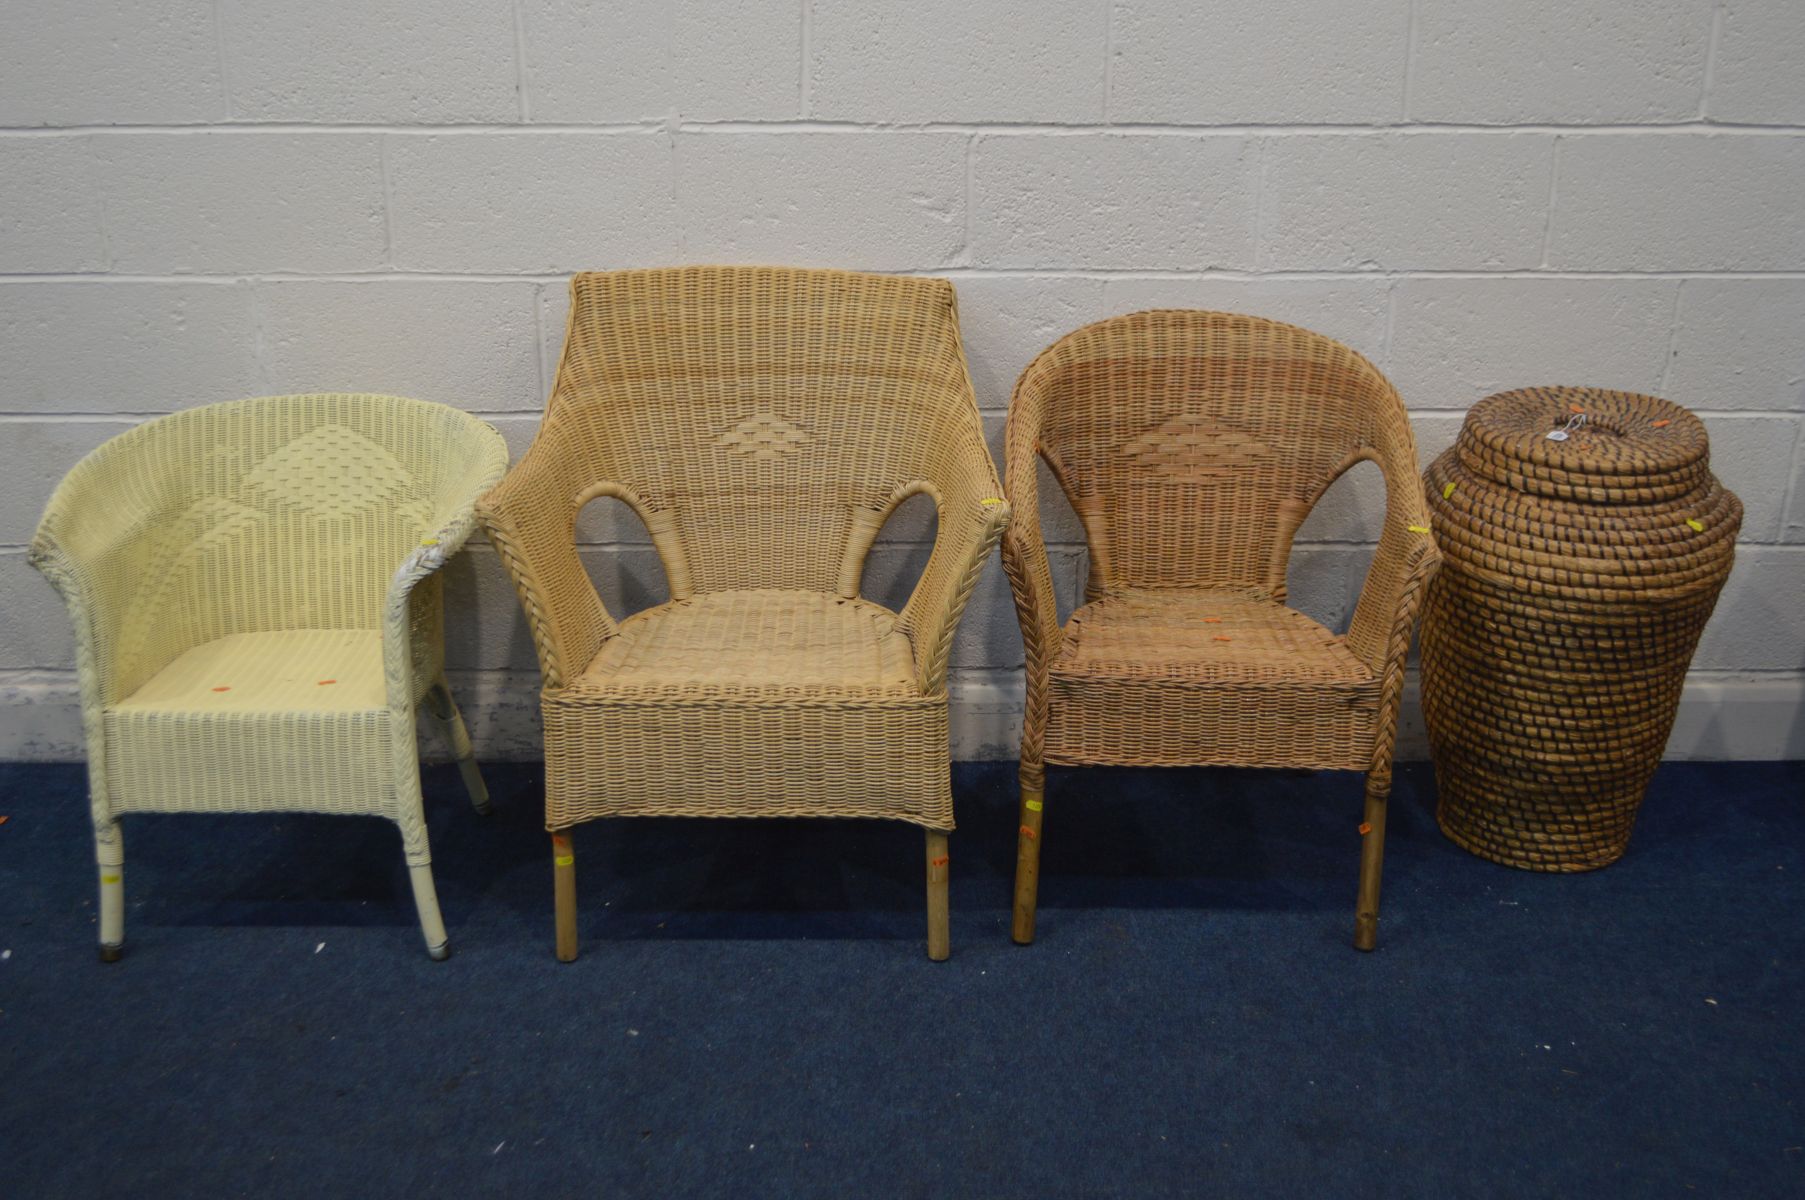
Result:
pixel 457 739
pixel 564 892
pixel 1372 859
pixel 419 874
pixel 109 856
pixel 940 942
pixel 426 900
pixel 1027 851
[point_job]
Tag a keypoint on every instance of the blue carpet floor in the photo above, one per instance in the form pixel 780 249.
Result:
pixel 753 1014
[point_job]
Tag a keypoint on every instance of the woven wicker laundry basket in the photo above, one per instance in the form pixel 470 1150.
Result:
pixel 1579 572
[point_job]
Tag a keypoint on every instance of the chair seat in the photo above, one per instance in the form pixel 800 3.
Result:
pixel 1207 677
pixel 752 644
pixel 290 670
pixel 291 720
pixel 1204 636
pixel 756 703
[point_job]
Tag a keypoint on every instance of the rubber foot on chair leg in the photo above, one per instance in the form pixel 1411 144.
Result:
pixel 440 952
pixel 1366 933
pixel 111 953
pixel 483 808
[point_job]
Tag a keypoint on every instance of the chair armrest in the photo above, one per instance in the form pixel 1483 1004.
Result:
pixel 1024 547
pixel 452 522
pixel 530 517
pixel 969 525
pixel 1031 583
pixel 91 610
pixel 971 512
pixel 95 544
pixel 1404 563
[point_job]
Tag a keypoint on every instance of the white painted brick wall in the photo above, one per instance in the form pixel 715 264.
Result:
pixel 215 198
pixel 1113 201
pixel 91 62
pixel 432 63
pixel 1400 202
pixel 512 203
pixel 877 201
pixel 1223 62
pixel 1557 62
pixel 1456 340
pixel 240 202
pixel 958 60
pixel 1637 202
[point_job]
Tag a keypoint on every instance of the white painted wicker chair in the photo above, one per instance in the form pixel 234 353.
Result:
pixel 256 613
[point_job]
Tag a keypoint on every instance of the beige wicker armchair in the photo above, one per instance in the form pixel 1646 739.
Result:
pixel 256 613
pixel 1191 446
pixel 763 423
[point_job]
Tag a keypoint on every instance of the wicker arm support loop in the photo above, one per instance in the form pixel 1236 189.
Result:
pixel 452 523
pixel 1404 562
pixel 530 518
pixel 87 560
pixel 64 572
pixel 968 532
pixel 1024 548
pixel 412 637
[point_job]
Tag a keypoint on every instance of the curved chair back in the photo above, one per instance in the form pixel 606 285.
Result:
pixel 1193 444
pixel 275 513
pixel 762 421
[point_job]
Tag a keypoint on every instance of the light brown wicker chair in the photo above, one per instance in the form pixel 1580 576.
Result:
pixel 763 423
pixel 1191 446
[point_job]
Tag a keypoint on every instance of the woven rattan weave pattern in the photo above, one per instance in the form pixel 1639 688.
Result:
pixel 763 423
pixel 1191 446
pixel 1580 573
pixel 256 614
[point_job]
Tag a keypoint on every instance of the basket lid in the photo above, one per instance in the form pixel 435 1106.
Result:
pixel 1608 446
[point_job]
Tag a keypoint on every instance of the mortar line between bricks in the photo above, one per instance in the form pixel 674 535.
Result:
pixel 219 47
pixel 1790 497
pixel 998 128
pixel 1554 179
pixel 1673 339
pixel 102 217
pixel 255 302
pixel 1391 324
pixel 1410 49
pixel 520 74
pixel 971 150
pixel 388 202
pixel 1109 53
pixel 1712 46
pixel 401 275
pixel 806 49
pixel 1262 161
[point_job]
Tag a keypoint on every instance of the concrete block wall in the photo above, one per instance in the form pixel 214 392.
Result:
pixel 207 199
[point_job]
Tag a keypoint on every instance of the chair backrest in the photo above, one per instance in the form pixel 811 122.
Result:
pixel 1192 444
pixel 757 416
pixel 282 512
